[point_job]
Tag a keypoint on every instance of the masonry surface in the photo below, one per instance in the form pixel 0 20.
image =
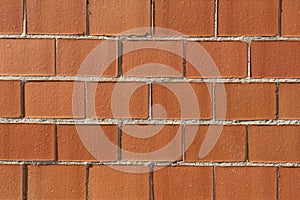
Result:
pixel 255 45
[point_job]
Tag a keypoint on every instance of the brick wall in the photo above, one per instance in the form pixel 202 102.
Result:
pixel 255 47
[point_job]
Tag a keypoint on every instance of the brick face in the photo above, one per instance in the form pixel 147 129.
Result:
pixel 288 183
pixel 11 16
pixel 10 99
pixel 290 18
pixel 11 182
pixel 289 95
pixel 251 18
pixel 193 18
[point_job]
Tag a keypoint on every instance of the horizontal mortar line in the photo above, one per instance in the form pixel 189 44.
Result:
pixel 90 121
pixel 149 37
pixel 149 79
pixel 154 163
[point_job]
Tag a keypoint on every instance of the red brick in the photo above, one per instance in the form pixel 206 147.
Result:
pixel 150 56
pixel 56 17
pixel 290 15
pixel 53 99
pixel 245 183
pixel 10 98
pixel 103 104
pixel 56 182
pixel 289 95
pixel 274 143
pixel 170 101
pixel 254 101
pixel 229 147
pixel 71 147
pixel 194 18
pixel 71 54
pixel 108 183
pixel 10 182
pixel 26 142
pixel 141 143
pixel 110 17
pixel 275 59
pixel 33 57
pixel 288 183
pixel 230 59
pixel 251 18
pixel 184 182
pixel 11 15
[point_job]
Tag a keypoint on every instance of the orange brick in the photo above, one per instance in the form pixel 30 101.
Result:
pixel 289 95
pixel 71 147
pixel 26 142
pixel 254 101
pixel 10 98
pixel 194 18
pixel 275 59
pixel 53 99
pixel 149 57
pixel 245 183
pixel 11 15
pixel 230 59
pixel 170 101
pixel 56 17
pixel 252 18
pixel 104 104
pixel 274 143
pixel 290 23
pixel 71 54
pixel 184 182
pixel 56 182
pixel 288 183
pixel 122 185
pixel 10 182
pixel 27 57
pixel 110 17
pixel 229 147
pixel 143 144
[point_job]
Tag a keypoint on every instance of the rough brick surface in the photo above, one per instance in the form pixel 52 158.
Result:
pixel 11 15
pixel 56 17
pixel 26 142
pixel 274 143
pixel 275 59
pixel 10 182
pixel 288 183
pixel 229 147
pixel 123 15
pixel 194 18
pixel 102 176
pixel 10 99
pixel 26 57
pixel 245 183
pixel 290 23
pixel 246 101
pixel 53 99
pixel 56 182
pixel 230 59
pixel 192 182
pixel 289 95
pixel 71 147
pixel 252 17
pixel 72 53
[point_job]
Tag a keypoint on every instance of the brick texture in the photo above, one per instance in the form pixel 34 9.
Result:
pixel 11 17
pixel 246 183
pixel 11 182
pixel 194 18
pixel 252 17
pixel 62 17
pixel 289 95
pixel 36 143
pixel 274 143
pixel 56 182
pixel 10 99
pixel 26 57
pixel 288 183
pixel 275 59
pixel 290 18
